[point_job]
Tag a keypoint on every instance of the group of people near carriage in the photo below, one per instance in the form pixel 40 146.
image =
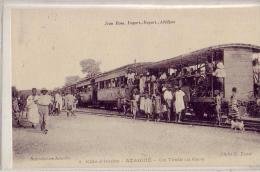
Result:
pixel 167 95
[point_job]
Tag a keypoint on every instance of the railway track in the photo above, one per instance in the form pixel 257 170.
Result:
pixel 250 125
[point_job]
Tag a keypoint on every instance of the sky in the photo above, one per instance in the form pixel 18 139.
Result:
pixel 48 44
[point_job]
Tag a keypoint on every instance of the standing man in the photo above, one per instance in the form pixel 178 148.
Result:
pixel 43 105
pixel 58 102
pixel 32 108
pixel 70 101
pixel 168 97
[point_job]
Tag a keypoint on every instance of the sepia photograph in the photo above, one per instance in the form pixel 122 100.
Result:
pixel 131 87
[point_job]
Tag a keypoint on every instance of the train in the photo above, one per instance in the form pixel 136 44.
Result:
pixel 110 89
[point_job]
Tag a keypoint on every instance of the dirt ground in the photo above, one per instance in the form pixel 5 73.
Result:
pixel 98 141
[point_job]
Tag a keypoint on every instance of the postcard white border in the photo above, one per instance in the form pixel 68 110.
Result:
pixel 6 72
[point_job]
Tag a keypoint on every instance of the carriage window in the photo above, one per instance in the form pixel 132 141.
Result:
pixel 101 84
pixel 117 81
pixel 88 88
pixel 113 82
pixel 107 84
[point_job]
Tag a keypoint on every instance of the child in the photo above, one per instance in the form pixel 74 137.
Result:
pixel 16 111
pixel 135 102
pixel 218 105
pixel 234 112
pixel 157 106
pixel 234 103
pixel 124 105
pixel 148 106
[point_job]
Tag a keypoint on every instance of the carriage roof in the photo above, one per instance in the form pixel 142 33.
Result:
pixel 192 58
pixel 121 71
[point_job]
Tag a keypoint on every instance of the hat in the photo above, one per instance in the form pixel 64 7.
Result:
pixel 220 65
pixel 176 87
pixel 164 88
pixel 44 89
pixel 216 91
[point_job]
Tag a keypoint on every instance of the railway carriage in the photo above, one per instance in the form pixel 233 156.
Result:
pixel 84 91
pixel 70 87
pixel 109 89
pixel 237 60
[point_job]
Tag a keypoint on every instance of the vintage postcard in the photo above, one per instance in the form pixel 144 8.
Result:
pixel 135 87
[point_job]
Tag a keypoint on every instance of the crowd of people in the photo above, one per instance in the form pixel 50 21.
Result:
pixel 160 98
pixel 37 107
pixel 160 94
pixel 164 94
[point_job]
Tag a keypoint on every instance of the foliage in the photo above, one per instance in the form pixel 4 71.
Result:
pixel 90 67
pixel 71 79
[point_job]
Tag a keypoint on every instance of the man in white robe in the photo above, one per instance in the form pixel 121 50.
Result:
pixel 58 102
pixel 31 104
pixel 179 102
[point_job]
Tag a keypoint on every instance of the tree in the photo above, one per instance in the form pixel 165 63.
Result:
pixel 90 67
pixel 71 79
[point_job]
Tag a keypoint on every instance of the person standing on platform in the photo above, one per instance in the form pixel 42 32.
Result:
pixel 135 102
pixel 179 103
pixel 32 108
pixel 44 102
pixel 58 103
pixel 218 106
pixel 168 97
pixel 148 106
pixel 157 106
pixel 220 75
pixel 70 101
pixel 234 111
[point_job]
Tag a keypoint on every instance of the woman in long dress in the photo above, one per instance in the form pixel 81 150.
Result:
pixel 33 113
pixel 148 106
pixel 179 102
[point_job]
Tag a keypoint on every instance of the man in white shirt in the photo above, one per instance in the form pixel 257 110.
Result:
pixel 163 76
pixel 220 74
pixel 43 106
pixel 179 103
pixel 58 102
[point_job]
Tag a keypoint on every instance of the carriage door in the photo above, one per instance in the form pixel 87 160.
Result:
pixel 94 92
pixel 239 70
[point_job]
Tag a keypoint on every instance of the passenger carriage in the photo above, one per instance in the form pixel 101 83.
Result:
pixel 109 89
pixel 70 87
pixel 85 91
pixel 193 71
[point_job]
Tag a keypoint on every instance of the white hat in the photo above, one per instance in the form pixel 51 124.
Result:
pixel 44 89
pixel 220 65
pixel 164 88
